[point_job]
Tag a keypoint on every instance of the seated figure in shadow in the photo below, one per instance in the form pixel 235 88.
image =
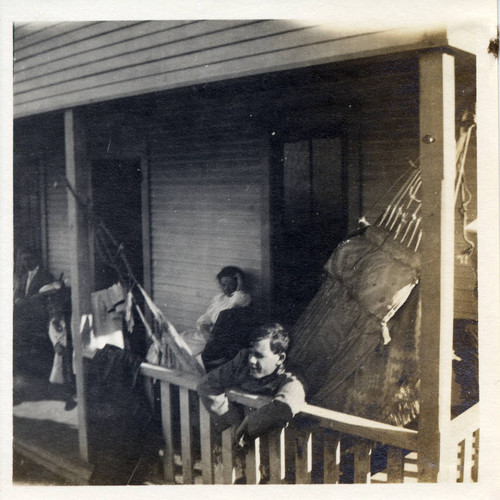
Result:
pixel 223 328
pixel 32 349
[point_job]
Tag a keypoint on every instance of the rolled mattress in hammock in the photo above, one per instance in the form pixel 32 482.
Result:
pixel 355 345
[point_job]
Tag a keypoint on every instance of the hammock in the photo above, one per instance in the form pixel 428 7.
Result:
pixel 359 336
pixel 355 338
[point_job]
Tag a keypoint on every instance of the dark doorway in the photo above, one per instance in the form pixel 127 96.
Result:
pixel 27 204
pixel 116 191
pixel 311 217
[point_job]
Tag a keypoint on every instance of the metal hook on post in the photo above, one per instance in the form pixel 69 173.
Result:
pixel 428 139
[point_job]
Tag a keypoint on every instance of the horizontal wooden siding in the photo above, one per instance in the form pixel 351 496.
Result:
pixel 206 202
pixel 68 64
pixel 59 254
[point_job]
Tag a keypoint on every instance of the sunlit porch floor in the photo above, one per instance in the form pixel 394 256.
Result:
pixel 46 449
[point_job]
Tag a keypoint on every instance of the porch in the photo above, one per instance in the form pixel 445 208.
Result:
pixel 320 445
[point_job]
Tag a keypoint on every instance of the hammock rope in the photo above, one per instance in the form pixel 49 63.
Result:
pixel 112 253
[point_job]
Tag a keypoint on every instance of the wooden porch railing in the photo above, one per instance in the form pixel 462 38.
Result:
pixel 318 446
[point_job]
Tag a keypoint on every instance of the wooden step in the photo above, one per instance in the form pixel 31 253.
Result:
pixel 73 471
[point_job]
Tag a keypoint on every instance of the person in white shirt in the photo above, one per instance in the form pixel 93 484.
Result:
pixel 226 321
pixel 231 281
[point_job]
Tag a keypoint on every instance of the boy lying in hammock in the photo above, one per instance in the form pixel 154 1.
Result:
pixel 258 370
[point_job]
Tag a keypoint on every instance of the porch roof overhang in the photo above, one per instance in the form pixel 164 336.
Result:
pixel 55 77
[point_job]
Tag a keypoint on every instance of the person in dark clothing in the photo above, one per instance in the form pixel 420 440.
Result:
pixel 32 347
pixel 233 296
pixel 231 333
pixel 32 277
pixel 119 415
pixel 258 370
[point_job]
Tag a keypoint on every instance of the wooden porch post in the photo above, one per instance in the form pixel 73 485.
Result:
pixel 488 244
pixel 436 451
pixel 77 173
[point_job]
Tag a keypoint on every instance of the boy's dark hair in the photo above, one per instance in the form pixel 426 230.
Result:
pixel 279 338
pixel 231 272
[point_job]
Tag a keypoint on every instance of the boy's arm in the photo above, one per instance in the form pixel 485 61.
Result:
pixel 287 402
pixel 213 386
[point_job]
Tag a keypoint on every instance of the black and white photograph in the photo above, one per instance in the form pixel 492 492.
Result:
pixel 252 249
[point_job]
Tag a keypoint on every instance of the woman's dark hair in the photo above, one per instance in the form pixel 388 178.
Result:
pixel 230 272
pixel 278 337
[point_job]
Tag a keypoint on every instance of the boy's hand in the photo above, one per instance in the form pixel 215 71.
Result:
pixel 231 417
pixel 241 441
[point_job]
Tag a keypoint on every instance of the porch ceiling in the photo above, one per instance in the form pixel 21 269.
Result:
pixel 73 64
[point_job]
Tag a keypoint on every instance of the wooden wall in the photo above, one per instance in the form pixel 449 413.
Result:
pixel 39 145
pixel 206 202
pixel 74 63
pixel 389 118
pixel 59 254
pixel 210 154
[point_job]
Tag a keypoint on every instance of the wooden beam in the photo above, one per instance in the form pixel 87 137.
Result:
pixel 276 446
pixel 395 465
pixel 331 457
pixel 77 173
pixel 252 462
pixel 146 222
pixel 353 176
pixel 488 244
pixel 166 421
pixel 43 214
pixel 312 46
pixel 265 236
pixel 303 451
pixel 207 462
pixel 74 471
pixel 186 449
pixel 362 427
pixel 437 164
pixel 227 455
pixel 362 461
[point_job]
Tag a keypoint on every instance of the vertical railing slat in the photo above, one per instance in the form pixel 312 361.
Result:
pixel 187 459
pixel 331 457
pixel 166 420
pixel 362 461
pixel 303 445
pixel 227 456
pixel 290 454
pixel 468 451
pixel 218 465
pixel 252 463
pixel 460 461
pixel 207 468
pixel 276 458
pixel 475 457
pixel 395 465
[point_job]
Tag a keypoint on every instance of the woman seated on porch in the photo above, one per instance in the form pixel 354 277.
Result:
pixel 212 324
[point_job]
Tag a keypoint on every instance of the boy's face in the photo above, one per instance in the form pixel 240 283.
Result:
pixel 262 361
